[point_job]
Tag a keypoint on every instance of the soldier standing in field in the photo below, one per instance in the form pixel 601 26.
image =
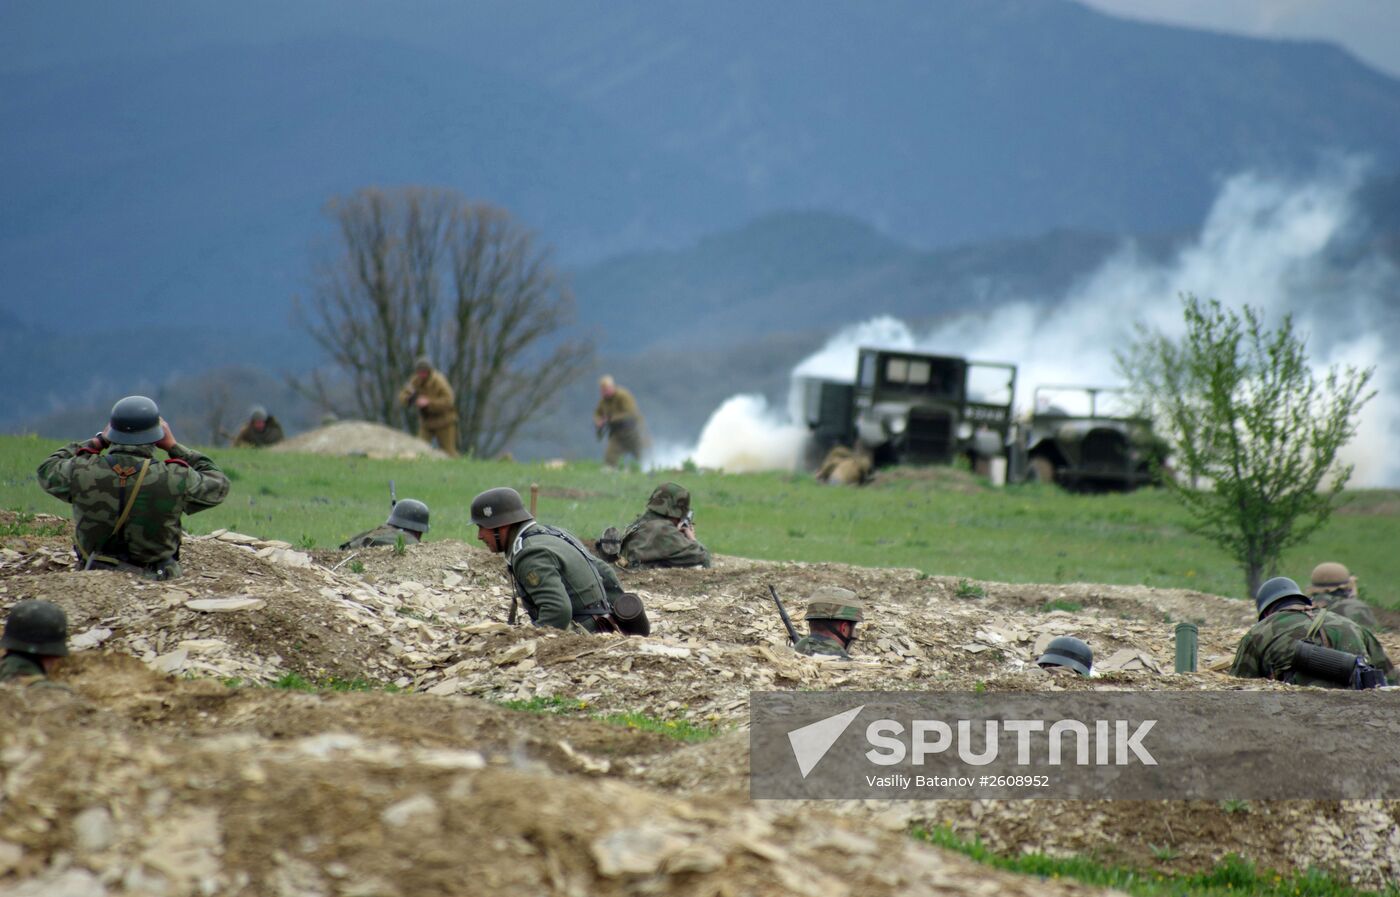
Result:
pixel 560 583
pixel 262 429
pixel 1334 587
pixel 431 395
pixel 408 520
pixel 126 505
pixel 618 417
pixel 35 642
pixel 664 536
pixel 832 615
pixel 1287 616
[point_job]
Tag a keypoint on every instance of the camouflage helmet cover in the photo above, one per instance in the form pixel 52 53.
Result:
pixel 135 420
pixel 499 507
pixel 1274 591
pixel 409 513
pixel 669 500
pixel 1329 576
pixel 1068 651
pixel 834 603
pixel 36 627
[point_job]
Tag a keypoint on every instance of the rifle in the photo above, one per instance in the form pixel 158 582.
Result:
pixel 393 496
pixel 782 612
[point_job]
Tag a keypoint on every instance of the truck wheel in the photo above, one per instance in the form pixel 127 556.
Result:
pixel 1042 470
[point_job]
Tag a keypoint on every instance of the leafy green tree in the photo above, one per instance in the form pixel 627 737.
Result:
pixel 1256 432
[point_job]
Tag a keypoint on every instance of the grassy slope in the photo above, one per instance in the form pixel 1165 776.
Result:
pixel 942 524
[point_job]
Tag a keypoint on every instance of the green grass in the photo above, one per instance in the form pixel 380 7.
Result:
pixel 1231 878
pixel 25 525
pixel 1030 533
pixel 297 682
pixel 680 730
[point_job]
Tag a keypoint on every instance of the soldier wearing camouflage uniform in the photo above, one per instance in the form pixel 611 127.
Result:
pixel 1334 588
pixel 408 521
pixel 664 536
pixel 35 642
pixel 261 430
pixel 560 583
pixel 832 615
pixel 127 505
pixel 432 396
pixel 1286 616
pixel 617 415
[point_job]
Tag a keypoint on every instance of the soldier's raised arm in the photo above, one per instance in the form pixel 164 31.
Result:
pixel 205 485
pixel 56 473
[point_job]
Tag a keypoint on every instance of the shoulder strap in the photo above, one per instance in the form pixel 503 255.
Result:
pixel 1316 628
pixel 126 510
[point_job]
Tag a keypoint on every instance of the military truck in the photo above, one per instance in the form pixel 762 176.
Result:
pixel 1101 447
pixel 912 408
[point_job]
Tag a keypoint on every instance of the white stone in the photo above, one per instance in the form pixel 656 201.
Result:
pixel 85 641
pixel 634 851
pixel 451 581
pixel 661 650
pixel 170 663
pixel 226 605
pixel 420 808
pixel 93 830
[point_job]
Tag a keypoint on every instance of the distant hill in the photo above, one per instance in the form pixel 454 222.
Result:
pixel 174 159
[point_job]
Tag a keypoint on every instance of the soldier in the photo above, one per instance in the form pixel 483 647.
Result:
pixel 262 429
pixel 664 536
pixel 1286 616
pixel 429 392
pixel 618 417
pixel 832 615
pixel 845 467
pixel 35 641
pixel 1067 654
pixel 126 507
pixel 408 520
pixel 1334 587
pixel 558 581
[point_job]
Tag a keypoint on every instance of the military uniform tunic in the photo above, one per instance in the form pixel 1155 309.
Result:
pixel 1354 609
pixel 251 437
pixel 439 419
pixel 381 535
pixel 653 540
pixel 18 666
pixel 98 486
pixel 559 582
pixel 1266 651
pixel 619 411
pixel 818 644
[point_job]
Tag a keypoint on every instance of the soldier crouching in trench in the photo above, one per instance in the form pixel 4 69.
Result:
pixel 126 506
pixel 560 583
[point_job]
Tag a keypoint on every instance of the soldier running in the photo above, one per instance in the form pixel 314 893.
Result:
pixel 261 430
pixel 431 395
pixel 617 416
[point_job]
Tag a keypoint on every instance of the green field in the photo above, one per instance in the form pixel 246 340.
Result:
pixel 943 522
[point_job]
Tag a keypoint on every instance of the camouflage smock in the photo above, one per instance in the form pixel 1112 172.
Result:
pixel 18 666
pixel 1355 610
pixel 557 582
pixel 381 535
pixel 653 540
pixel 252 437
pixel 815 644
pixel 1266 651
pixel 98 485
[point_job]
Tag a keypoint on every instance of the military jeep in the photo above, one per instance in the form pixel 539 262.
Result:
pixel 1086 439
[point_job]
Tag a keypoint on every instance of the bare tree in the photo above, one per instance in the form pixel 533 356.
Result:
pixel 425 272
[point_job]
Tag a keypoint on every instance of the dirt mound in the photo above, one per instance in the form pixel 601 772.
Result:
pixel 385 799
pixel 359 438
pixel 137 785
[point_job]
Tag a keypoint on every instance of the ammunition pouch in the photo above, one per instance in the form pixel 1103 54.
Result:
pixel 1339 667
pixel 630 615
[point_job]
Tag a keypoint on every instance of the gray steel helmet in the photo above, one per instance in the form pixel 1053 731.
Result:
pixel 409 513
pixel 499 507
pixel 135 420
pixel 1274 591
pixel 1068 651
pixel 36 627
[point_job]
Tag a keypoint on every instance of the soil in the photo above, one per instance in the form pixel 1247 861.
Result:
pixel 358 438
pixel 151 775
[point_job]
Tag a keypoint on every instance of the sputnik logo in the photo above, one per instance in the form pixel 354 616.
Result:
pixel 811 742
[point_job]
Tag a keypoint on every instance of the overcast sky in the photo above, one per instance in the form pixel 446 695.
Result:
pixel 1368 28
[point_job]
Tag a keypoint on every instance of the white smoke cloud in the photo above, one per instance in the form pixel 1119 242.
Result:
pixel 1266 243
